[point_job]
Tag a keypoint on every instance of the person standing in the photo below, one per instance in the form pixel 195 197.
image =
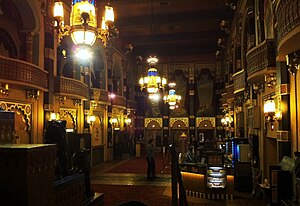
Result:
pixel 150 160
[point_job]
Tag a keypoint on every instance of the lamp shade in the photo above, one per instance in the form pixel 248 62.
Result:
pixel 269 106
pixel 109 15
pixel 58 11
pixel 80 36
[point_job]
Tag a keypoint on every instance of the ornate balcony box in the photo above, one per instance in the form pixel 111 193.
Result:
pixel 239 81
pixel 230 93
pixel 261 60
pixel 288 26
pixel 131 104
pixel 23 73
pixel 119 101
pixel 104 96
pixel 70 87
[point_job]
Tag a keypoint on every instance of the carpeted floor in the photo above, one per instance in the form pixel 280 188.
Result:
pixel 138 165
pixel 116 195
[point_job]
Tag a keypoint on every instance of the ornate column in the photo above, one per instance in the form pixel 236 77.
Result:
pixel 29 46
pixel 192 112
pixel 283 98
pixel 49 57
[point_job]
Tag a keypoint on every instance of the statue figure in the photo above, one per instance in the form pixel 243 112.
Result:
pixel 56 134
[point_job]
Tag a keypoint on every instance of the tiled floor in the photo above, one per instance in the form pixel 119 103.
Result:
pixel 100 176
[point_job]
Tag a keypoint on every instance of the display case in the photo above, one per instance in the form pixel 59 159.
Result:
pixel 216 173
pixel 216 177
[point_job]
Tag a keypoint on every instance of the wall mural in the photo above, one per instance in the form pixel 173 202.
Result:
pixel 23 119
pixel 205 92
pixel 98 130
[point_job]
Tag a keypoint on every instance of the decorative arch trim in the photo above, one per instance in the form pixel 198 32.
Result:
pixel 175 122
pixel 25 109
pixel 72 113
pixel 206 122
pixel 153 123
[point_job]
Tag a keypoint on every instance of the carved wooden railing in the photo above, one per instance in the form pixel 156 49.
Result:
pixel 288 16
pixel 229 92
pixel 223 100
pixel 261 57
pixel 239 81
pixel 70 87
pixel 104 96
pixel 131 104
pixel 22 72
pixel 119 101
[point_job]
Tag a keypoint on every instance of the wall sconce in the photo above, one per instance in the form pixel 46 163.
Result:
pixel 60 99
pixel 269 111
pixel 270 79
pixel 128 121
pixel 227 120
pixel 4 89
pixel 258 88
pixel 91 120
pixel 32 94
pixel 114 122
pixel 293 62
pixel 77 102
pixel 83 23
pixel 94 104
pixel 54 116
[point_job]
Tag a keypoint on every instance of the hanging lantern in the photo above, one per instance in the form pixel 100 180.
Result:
pixel 83 22
pixel 153 82
pixel 172 98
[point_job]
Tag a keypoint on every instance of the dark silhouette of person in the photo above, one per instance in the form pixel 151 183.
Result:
pixel 150 160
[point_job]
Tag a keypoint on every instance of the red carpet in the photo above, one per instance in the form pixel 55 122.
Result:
pixel 150 195
pixel 118 194
pixel 138 165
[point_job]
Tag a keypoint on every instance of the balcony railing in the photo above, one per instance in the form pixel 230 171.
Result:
pixel 229 93
pixel 23 73
pixel 70 87
pixel 119 101
pixel 288 16
pixel 131 104
pixel 238 81
pixel 104 96
pixel 261 59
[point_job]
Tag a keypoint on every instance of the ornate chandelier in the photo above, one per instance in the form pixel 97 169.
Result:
pixel 172 98
pixel 83 22
pixel 152 82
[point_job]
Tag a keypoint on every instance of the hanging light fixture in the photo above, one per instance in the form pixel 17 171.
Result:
pixel 153 82
pixel 172 98
pixel 83 22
